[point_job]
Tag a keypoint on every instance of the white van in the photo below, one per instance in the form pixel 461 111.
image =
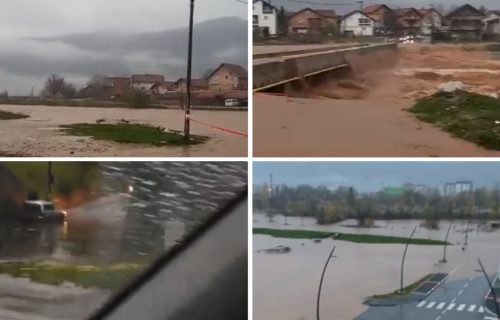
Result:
pixel 232 102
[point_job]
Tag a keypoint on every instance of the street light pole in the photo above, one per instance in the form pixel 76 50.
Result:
pixel 321 282
pixel 497 309
pixel 187 121
pixel 446 242
pixel 404 257
pixel 50 180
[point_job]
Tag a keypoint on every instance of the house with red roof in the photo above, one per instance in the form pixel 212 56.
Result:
pixel 310 20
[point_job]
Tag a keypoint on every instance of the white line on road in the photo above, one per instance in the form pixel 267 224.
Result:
pixel 481 309
pixel 466 285
pixel 460 292
pixel 454 299
pixel 431 304
pixel 450 307
pixel 421 304
pixel 471 308
pixel 461 307
pixel 439 317
pixel 441 305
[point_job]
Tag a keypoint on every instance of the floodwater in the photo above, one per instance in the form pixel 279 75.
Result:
pixel 286 285
pixel 39 135
pixel 161 204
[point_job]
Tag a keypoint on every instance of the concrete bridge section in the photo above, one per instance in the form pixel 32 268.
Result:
pixel 270 72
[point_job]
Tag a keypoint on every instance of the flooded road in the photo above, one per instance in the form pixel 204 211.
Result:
pixel 285 285
pixel 143 210
pixel 38 135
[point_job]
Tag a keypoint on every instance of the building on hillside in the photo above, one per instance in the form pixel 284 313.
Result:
pixel 228 77
pixel 492 25
pixel 408 21
pixel 264 18
pixel 432 21
pixel 144 82
pixel 161 88
pixel 465 22
pixel 383 16
pixel 197 85
pixel 312 21
pixel 357 23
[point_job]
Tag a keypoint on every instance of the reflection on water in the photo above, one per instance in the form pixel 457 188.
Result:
pixel 144 209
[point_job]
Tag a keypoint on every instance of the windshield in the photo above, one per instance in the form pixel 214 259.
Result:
pixel 48 207
pixel 121 216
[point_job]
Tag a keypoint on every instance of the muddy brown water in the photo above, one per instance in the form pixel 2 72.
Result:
pixel 285 285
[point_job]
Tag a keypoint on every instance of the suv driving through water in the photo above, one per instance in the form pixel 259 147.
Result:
pixel 41 211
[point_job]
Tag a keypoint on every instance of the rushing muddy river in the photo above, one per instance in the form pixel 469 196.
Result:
pixel 286 285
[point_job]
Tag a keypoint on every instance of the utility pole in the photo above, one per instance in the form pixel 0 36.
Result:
pixel 50 180
pixel 497 309
pixel 404 256
pixel 446 242
pixel 321 282
pixel 187 121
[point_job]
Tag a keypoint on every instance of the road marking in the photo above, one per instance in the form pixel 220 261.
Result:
pixel 471 308
pixel 421 304
pixel 441 305
pixel 450 307
pixel 461 307
pixel 466 285
pixel 490 318
pixel 454 299
pixel 481 309
pixel 431 304
pixel 439 317
pixel 460 292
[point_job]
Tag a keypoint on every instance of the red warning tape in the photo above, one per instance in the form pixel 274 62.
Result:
pixel 219 128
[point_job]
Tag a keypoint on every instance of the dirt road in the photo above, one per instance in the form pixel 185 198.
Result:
pixel 39 135
pixel 376 123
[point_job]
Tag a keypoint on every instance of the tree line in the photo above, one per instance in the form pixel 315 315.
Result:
pixel 329 206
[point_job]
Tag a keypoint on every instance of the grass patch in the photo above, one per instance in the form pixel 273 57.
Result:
pixel 357 238
pixel 111 278
pixel 466 115
pixel 6 115
pixel 132 133
pixel 406 290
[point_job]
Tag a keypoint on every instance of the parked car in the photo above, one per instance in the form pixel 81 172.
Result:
pixel 232 102
pixel 41 211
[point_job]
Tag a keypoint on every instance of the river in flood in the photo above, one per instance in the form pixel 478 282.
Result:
pixel 160 205
pixel 286 285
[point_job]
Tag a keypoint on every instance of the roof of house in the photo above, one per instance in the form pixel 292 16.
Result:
pixel 426 11
pixel 147 78
pixel 199 83
pixel 465 6
pixel 356 11
pixel 321 12
pixel 239 70
pixel 401 12
pixel 375 7
pixel 266 2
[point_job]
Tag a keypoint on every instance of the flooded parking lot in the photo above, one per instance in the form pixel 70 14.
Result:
pixel 285 285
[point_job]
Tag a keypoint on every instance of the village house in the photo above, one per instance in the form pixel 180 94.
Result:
pixel 492 25
pixel 197 85
pixel 228 77
pixel 265 18
pixel 432 21
pixel 383 17
pixel 116 86
pixel 312 21
pixel 161 88
pixel 408 21
pixel 465 22
pixel 144 82
pixel 357 23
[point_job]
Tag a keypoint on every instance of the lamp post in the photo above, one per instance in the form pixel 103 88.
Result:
pixel 404 257
pixel 50 180
pixel 446 242
pixel 321 282
pixel 497 309
pixel 187 121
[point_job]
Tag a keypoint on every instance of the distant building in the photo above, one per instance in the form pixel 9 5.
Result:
pixel 465 22
pixel 357 23
pixel 394 191
pixel 432 21
pixel 311 21
pixel 116 86
pixel 197 85
pixel 492 25
pixel 383 16
pixel 228 77
pixel 454 188
pixel 161 88
pixel 408 21
pixel 265 18
pixel 419 188
pixel 145 82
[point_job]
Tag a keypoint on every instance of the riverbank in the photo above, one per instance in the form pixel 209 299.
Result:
pixel 357 238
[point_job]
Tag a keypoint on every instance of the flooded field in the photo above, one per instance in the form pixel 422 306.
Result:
pixel 367 116
pixel 142 211
pixel 39 135
pixel 285 285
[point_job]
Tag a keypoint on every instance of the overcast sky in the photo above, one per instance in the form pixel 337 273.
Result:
pixel 371 176
pixel 25 62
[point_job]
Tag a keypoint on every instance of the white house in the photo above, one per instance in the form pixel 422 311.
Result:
pixel 357 23
pixel 432 21
pixel 492 23
pixel 265 17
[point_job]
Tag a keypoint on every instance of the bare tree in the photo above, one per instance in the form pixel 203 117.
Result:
pixel 55 86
